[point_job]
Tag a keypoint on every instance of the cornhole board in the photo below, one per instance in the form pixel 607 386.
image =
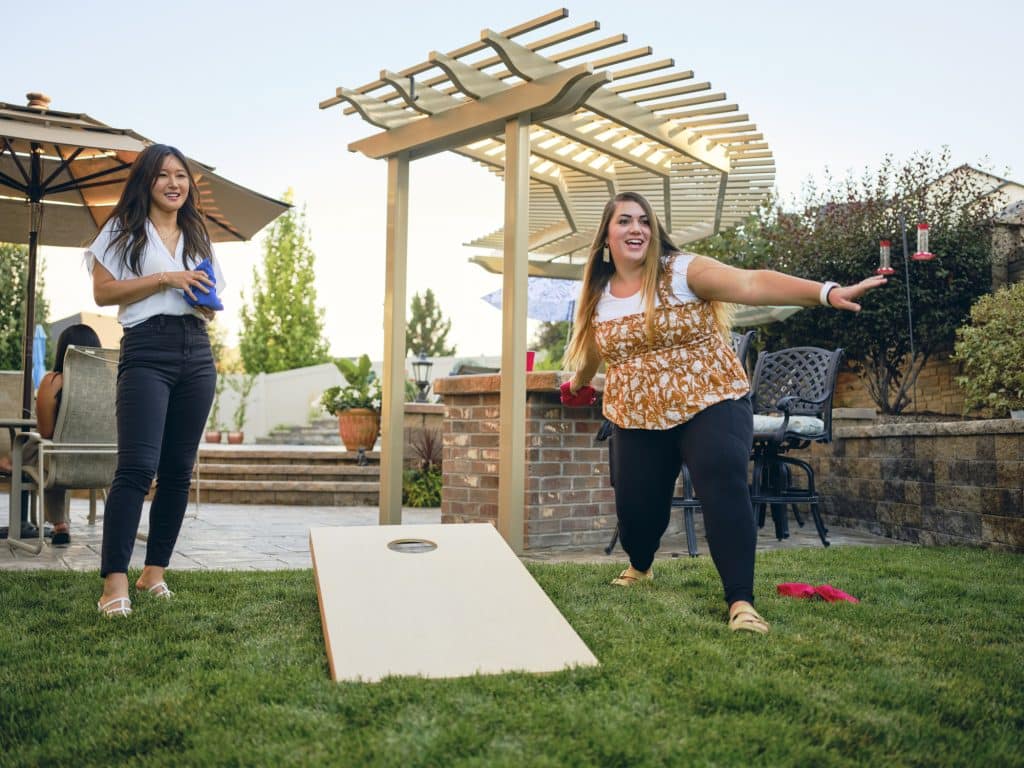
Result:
pixel 441 601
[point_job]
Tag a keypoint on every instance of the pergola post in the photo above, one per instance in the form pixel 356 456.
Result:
pixel 512 441
pixel 393 405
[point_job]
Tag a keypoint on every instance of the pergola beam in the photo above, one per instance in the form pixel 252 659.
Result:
pixel 559 94
pixel 530 65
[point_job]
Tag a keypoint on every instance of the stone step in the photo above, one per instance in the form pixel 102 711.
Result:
pixel 296 493
pixel 284 454
pixel 312 472
pixel 296 475
pixel 319 432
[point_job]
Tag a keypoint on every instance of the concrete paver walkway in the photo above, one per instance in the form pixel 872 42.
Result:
pixel 263 538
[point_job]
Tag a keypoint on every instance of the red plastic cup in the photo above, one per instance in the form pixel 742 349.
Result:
pixel 530 354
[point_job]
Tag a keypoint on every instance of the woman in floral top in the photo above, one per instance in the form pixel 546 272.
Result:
pixel 674 389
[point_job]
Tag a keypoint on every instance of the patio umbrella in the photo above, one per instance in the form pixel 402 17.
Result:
pixel 38 355
pixel 547 298
pixel 747 316
pixel 61 174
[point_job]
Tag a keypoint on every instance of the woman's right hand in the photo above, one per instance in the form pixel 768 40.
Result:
pixel 187 280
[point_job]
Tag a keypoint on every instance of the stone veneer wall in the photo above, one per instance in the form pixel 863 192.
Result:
pixel 937 390
pixel 930 483
pixel 568 497
pixel 957 482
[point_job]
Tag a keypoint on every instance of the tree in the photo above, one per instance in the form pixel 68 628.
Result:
pixel 427 329
pixel 834 236
pixel 283 327
pixel 13 279
pixel 551 337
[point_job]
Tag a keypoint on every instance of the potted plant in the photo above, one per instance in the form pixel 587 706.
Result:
pixel 241 384
pixel 357 404
pixel 213 425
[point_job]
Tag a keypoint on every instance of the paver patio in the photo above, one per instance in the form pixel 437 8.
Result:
pixel 265 538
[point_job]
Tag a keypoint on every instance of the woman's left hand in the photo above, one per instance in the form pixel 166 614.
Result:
pixel 843 296
pixel 207 313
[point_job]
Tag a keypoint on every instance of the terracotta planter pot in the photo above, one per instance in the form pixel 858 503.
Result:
pixel 235 438
pixel 213 437
pixel 358 428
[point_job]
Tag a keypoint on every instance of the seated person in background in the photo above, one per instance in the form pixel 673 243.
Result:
pixel 56 500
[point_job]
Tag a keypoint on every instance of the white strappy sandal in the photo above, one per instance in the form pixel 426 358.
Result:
pixel 161 590
pixel 116 606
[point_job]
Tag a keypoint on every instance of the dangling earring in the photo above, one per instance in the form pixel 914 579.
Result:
pixel 606 254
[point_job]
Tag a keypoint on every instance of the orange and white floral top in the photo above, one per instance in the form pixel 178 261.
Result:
pixel 688 367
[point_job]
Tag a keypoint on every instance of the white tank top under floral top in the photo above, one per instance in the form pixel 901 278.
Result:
pixel 688 367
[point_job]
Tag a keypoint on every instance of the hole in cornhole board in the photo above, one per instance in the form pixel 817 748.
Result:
pixel 434 601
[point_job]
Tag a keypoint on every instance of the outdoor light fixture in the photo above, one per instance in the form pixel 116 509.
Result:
pixel 421 376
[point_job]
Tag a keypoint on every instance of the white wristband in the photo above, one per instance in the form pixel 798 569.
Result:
pixel 823 293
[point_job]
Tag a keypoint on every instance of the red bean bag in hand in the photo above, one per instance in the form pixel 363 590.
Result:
pixel 585 395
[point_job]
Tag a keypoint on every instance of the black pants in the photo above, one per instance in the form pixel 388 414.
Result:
pixel 165 383
pixel 715 444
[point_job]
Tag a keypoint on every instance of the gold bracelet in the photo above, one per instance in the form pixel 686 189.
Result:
pixel 160 279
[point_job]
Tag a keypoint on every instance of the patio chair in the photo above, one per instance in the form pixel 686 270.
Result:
pixel 791 393
pixel 83 450
pixel 688 502
pixel 741 343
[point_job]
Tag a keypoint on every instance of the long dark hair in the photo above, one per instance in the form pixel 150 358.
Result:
pixel 132 210
pixel 80 335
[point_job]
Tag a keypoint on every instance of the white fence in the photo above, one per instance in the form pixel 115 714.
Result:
pixel 293 397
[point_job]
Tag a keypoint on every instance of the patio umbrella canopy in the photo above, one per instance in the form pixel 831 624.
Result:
pixel 749 317
pixel 548 299
pixel 61 173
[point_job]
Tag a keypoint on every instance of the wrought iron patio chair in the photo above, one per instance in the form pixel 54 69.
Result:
pixel 83 450
pixel 741 344
pixel 688 502
pixel 791 394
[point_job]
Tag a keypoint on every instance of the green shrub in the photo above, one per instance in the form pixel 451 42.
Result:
pixel 422 487
pixel 991 350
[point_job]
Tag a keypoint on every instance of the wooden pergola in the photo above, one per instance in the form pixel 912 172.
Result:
pixel 566 122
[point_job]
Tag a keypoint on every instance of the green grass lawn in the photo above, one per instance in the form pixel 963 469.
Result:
pixel 927 670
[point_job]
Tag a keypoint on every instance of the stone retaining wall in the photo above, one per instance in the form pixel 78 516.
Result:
pixel 936 390
pixel 930 483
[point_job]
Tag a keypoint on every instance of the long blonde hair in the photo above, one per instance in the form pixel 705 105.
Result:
pixel 597 273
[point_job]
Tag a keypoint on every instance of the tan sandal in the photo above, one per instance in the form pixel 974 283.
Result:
pixel 116 606
pixel 746 619
pixel 632 576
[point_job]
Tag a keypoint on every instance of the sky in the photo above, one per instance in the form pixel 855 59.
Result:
pixel 831 86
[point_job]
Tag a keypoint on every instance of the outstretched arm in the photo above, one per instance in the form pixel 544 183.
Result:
pixel 715 281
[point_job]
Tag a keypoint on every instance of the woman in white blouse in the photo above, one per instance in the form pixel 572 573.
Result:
pixel 144 260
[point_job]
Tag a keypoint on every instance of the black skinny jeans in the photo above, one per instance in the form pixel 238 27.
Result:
pixel 715 444
pixel 165 383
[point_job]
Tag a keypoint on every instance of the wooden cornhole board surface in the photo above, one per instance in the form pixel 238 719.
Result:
pixel 467 607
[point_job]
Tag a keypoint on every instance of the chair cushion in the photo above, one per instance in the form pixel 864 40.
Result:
pixel 801 425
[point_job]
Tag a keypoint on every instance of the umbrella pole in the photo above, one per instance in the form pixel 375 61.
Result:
pixel 35 215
